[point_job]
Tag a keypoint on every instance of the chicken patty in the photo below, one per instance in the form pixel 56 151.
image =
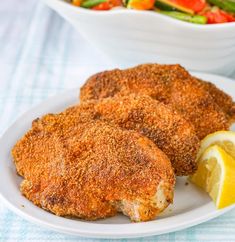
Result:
pixel 201 103
pixel 92 170
pixel 174 135
pixel 224 101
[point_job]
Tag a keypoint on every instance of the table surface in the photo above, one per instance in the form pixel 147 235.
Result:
pixel 41 55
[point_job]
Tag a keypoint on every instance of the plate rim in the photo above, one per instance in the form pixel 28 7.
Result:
pixel 120 228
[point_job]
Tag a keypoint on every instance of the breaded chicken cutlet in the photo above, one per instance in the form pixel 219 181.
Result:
pixel 166 128
pixel 224 101
pixel 205 106
pixel 92 170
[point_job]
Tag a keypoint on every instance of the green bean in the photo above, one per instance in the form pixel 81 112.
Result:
pixel 197 19
pixel 91 3
pixel 227 5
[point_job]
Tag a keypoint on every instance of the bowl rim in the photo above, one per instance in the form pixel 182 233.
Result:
pixel 121 11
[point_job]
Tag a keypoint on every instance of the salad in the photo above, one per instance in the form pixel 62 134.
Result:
pixel 194 11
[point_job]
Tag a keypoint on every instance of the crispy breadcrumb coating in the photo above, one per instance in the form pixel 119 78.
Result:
pixel 205 106
pixel 92 170
pixel 174 135
pixel 224 101
pixel 195 104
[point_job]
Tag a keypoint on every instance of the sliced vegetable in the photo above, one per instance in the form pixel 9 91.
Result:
pixel 186 6
pixel 216 15
pixel 197 19
pixel 115 3
pixel 102 6
pixel 172 4
pixel 76 2
pixel 91 3
pixel 107 5
pixel 230 18
pixel 125 2
pixel 141 4
pixel 195 5
pixel 194 11
pixel 227 5
pixel 163 6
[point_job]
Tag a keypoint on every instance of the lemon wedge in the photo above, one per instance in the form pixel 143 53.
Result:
pixel 224 139
pixel 216 175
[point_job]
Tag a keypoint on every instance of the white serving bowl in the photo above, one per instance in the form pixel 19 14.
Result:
pixel 131 37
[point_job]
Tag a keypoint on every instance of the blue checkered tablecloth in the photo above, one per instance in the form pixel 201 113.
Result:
pixel 41 55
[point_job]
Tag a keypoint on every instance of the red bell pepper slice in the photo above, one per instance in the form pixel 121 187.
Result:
pixel 102 6
pixel 108 5
pixel 116 3
pixel 216 15
pixel 195 5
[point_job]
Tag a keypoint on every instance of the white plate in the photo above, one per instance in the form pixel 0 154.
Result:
pixel 191 205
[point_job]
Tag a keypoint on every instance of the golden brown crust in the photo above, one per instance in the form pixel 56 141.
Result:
pixel 195 104
pixel 149 79
pixel 165 127
pixel 84 169
pixel 166 83
pixel 224 101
